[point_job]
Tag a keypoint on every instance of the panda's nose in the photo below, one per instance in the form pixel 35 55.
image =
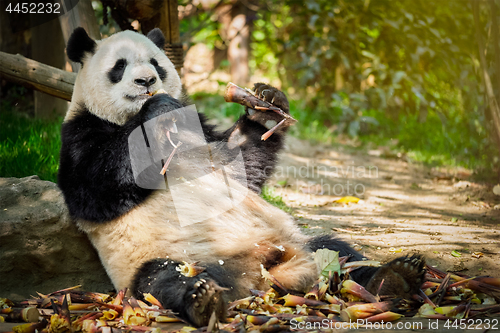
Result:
pixel 145 81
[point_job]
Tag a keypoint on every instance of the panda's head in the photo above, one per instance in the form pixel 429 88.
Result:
pixel 119 72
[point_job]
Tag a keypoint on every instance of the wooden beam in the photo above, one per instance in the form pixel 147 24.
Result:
pixel 35 75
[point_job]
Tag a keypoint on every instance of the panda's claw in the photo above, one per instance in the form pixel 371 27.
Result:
pixel 263 95
pixel 263 116
pixel 401 277
pixel 206 298
pixel 269 93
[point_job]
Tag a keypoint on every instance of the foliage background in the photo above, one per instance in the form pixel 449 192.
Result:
pixel 401 73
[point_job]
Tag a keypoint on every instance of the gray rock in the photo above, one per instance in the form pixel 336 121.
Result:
pixel 40 248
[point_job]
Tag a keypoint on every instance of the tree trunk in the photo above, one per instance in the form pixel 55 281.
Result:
pixel 496 43
pixel 494 109
pixel 236 30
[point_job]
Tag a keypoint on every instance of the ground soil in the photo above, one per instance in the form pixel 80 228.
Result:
pixel 405 208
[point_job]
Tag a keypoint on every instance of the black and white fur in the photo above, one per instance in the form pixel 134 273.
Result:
pixel 136 231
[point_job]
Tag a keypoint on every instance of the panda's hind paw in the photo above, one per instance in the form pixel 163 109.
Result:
pixel 402 277
pixel 204 299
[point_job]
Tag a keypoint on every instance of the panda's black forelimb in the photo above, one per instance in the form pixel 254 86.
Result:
pixel 194 299
pixel 260 157
pixel 95 172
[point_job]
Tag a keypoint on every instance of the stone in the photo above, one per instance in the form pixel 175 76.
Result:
pixel 41 250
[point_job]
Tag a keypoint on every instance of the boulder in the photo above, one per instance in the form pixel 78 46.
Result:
pixel 40 248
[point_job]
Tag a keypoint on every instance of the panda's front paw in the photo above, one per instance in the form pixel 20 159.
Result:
pixel 272 95
pixel 163 114
pixel 402 277
pixel 158 105
pixel 268 119
pixel 202 300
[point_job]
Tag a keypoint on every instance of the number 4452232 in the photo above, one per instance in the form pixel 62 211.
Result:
pixel 34 8
pixel 472 324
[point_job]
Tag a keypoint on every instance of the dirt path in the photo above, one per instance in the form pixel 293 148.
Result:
pixel 405 207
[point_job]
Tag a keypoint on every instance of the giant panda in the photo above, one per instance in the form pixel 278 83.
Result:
pixel 137 229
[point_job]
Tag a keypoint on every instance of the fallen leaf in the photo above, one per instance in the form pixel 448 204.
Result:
pixel 477 255
pixel 456 254
pixel 347 200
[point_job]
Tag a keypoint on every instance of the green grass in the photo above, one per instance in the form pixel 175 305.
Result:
pixel 270 196
pixel 459 142
pixel 28 146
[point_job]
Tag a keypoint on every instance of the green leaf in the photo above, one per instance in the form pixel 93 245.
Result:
pixel 282 182
pixel 456 254
pixel 327 261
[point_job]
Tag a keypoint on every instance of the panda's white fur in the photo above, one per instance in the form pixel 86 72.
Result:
pixel 151 231
pixel 110 102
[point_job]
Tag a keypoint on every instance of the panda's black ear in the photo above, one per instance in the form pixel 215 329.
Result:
pixel 79 43
pixel 157 37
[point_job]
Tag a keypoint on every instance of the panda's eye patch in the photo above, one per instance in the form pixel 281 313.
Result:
pixel 120 64
pixel 115 75
pixel 160 70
